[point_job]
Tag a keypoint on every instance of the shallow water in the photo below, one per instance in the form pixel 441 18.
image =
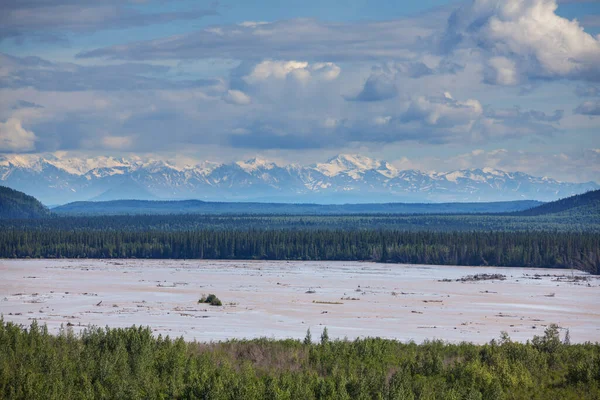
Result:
pixel 268 298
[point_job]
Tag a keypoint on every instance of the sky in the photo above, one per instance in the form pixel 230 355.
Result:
pixel 430 84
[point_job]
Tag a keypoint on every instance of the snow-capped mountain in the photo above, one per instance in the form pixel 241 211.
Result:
pixel 342 179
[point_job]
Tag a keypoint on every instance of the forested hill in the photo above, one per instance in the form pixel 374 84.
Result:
pixel 582 204
pixel 137 207
pixel 15 204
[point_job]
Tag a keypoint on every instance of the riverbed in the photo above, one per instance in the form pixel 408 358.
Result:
pixel 278 299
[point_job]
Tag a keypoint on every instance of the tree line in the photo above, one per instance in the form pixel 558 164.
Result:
pixel 445 222
pixel 512 249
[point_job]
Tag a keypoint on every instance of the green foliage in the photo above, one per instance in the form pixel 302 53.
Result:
pixel 308 337
pixel 15 204
pixel 325 336
pixel 131 363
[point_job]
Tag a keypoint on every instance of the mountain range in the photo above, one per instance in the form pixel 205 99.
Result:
pixel 342 179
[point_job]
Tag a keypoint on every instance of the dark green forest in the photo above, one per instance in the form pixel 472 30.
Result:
pixel 132 364
pixel 582 204
pixel 589 222
pixel 15 204
pixel 513 249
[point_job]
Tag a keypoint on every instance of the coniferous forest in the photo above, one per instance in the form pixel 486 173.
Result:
pixel 513 249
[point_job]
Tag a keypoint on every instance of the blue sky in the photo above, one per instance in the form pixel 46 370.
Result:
pixel 429 84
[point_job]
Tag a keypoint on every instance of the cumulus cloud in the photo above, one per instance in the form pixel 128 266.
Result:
pixel 301 71
pixel 15 138
pixel 591 108
pixel 428 120
pixel 383 81
pixel 524 39
pixel 443 111
pixel 380 85
pixel 501 71
pixel 278 70
pixel 237 97
pixel 443 119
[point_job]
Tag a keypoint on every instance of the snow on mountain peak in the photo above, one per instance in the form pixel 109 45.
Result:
pixel 256 163
pixel 204 168
pixel 81 166
pixel 25 161
pixel 454 176
pixel 55 177
pixel 348 163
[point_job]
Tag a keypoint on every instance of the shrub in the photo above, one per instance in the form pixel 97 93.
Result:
pixel 211 299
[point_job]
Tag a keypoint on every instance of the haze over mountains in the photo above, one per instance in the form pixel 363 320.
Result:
pixel 341 179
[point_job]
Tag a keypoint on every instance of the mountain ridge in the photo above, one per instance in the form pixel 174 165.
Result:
pixel 15 204
pixel 161 207
pixel 586 203
pixel 341 179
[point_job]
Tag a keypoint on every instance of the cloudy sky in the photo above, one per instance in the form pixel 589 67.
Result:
pixel 428 84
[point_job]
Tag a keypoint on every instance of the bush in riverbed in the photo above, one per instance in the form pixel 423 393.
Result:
pixel 211 299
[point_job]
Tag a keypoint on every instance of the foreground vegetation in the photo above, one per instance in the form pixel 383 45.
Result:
pixel 130 363
pixel 512 249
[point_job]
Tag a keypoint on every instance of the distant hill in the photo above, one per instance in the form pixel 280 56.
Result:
pixel 133 207
pixel 15 204
pixel 582 204
pixel 129 189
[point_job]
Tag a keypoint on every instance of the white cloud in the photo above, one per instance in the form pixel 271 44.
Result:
pixel 501 71
pixel 443 111
pixel 380 85
pixel 276 69
pixel 15 138
pixel 252 24
pixel 330 122
pixel 388 80
pixel 237 97
pixel 381 120
pixel 327 71
pixel 525 39
pixel 300 71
